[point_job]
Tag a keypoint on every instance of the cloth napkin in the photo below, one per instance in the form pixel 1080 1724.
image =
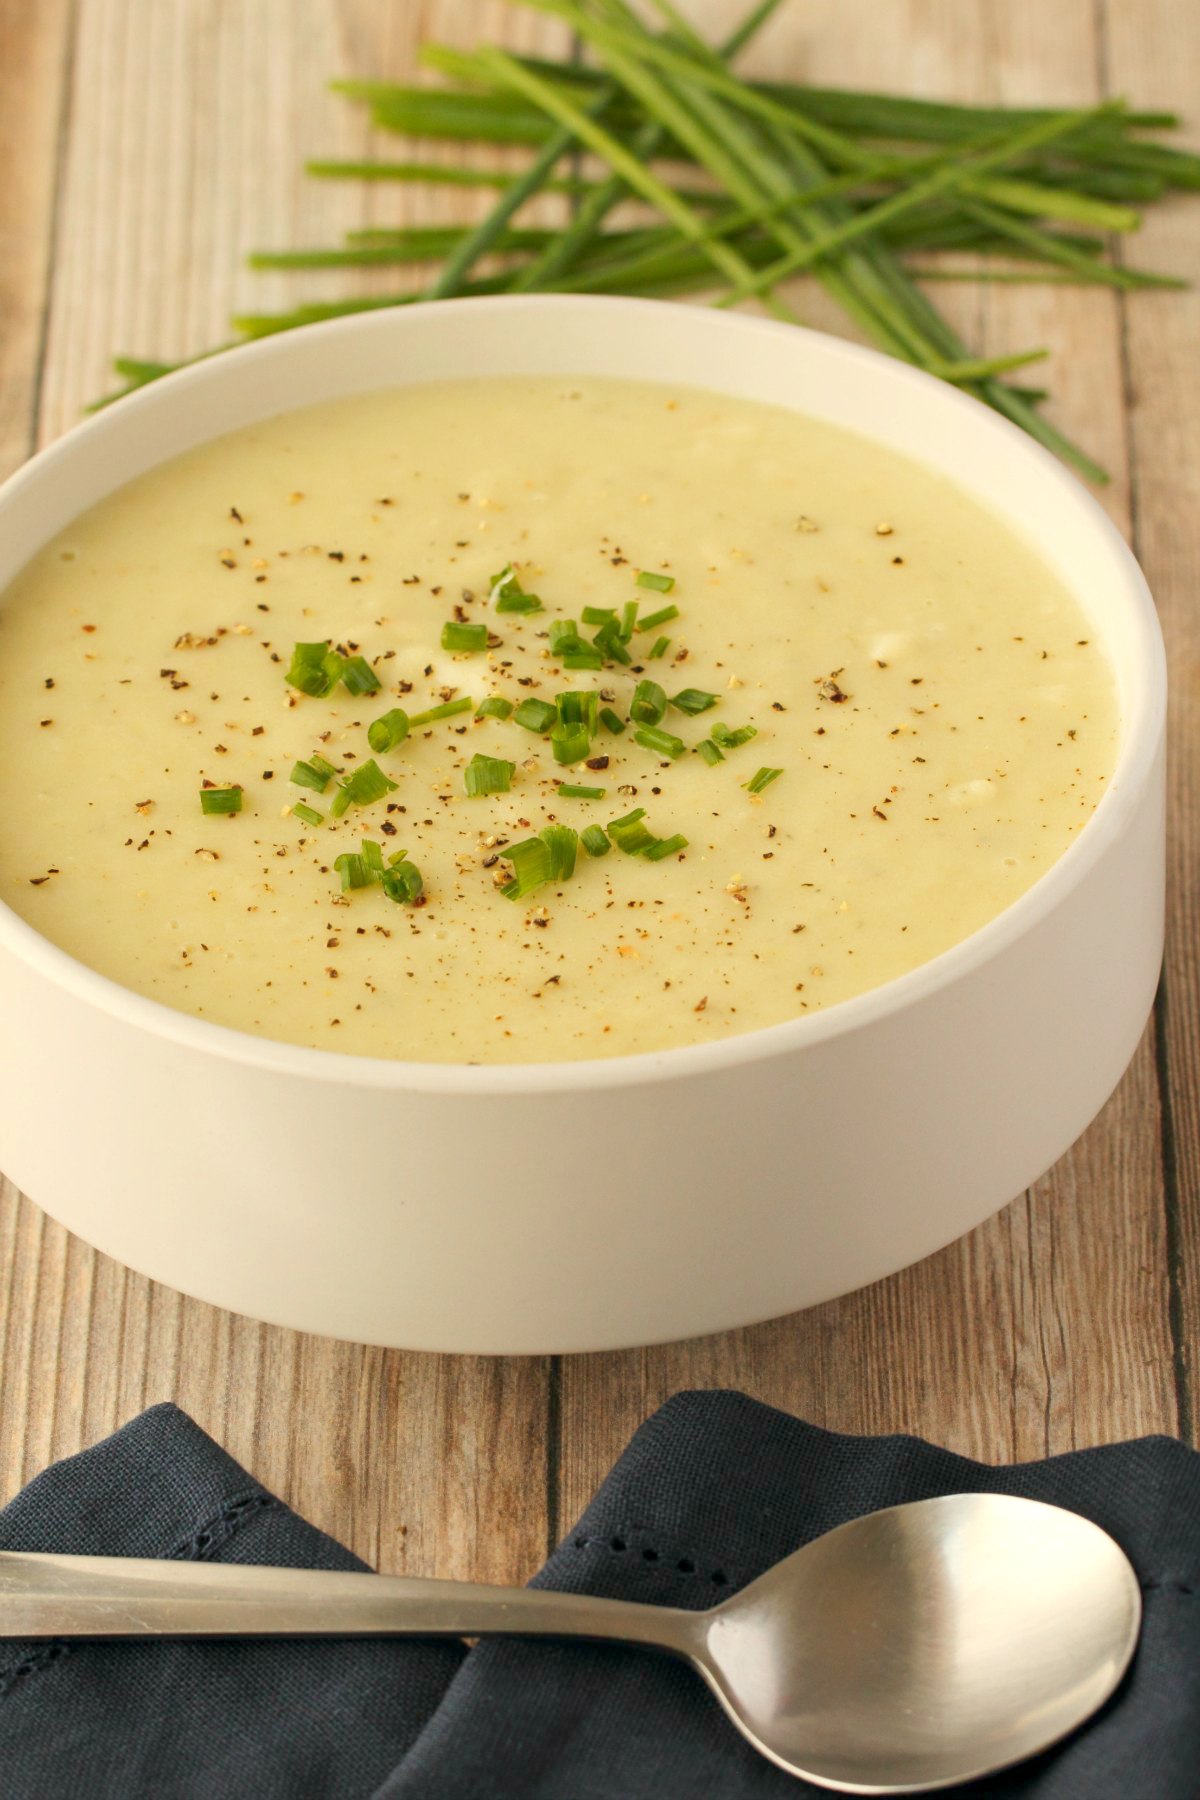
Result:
pixel 712 1489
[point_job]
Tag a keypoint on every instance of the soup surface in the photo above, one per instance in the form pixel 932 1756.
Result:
pixel 941 715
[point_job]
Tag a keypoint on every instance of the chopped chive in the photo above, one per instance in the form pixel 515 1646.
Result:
pixel 488 775
pixel 458 636
pixel 531 865
pixel 359 677
pixel 563 633
pixel 665 847
pixel 762 780
pixel 535 715
pixel 569 791
pixel 693 701
pixel 562 842
pixel 595 841
pixel 367 784
pixel 353 871
pixel 663 743
pixel 508 595
pixel 494 707
pixel 610 644
pixel 582 657
pixel 446 711
pixel 372 856
pixel 315 669
pixel 340 803
pixel 662 584
pixel 578 706
pixel 630 833
pixel 570 743
pixel 733 740
pixel 598 615
pixel 709 751
pixel 390 729
pixel 401 882
pixel 396 857
pixel 660 648
pixel 221 800
pixel 309 814
pixel 612 721
pixel 629 618
pixel 662 617
pixel 315 774
pixel 649 703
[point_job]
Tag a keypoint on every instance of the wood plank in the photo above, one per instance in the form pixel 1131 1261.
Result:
pixel 1154 52
pixel 190 121
pixel 1047 1327
pixel 34 84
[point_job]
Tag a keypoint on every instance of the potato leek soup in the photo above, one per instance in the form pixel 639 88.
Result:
pixel 533 720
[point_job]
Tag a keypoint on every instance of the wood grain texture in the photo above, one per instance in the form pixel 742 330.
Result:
pixel 147 145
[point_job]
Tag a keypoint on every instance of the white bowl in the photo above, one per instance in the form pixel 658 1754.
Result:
pixel 744 1178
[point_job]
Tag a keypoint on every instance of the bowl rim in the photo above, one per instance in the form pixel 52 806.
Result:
pixel 1143 721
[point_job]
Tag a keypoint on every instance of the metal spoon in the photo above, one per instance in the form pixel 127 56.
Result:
pixel 908 1650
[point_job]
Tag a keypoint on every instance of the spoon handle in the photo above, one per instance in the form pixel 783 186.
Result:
pixel 123 1597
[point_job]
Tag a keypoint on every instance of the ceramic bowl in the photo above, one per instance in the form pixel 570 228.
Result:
pixel 755 1175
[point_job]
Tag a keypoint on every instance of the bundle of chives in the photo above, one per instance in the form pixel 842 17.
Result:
pixel 848 186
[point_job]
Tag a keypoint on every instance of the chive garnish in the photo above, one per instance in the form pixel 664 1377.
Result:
pixel 570 791
pixel 608 641
pixel 315 669
pixel 494 707
pixel 359 677
pixel 598 615
pixel 309 814
pixel 531 864
pixel 629 618
pixel 315 774
pixel 353 871
pixel 340 802
pixel 665 847
pixel 535 715
pixel 372 856
pixel 570 743
pixel 660 647
pixel 693 701
pixel 733 740
pixel 221 800
pixel 562 842
pixel 662 584
pixel 508 595
pixel 564 633
pixel 663 743
pixel 488 775
pixel 709 751
pixel 579 706
pixel 595 841
pixel 762 780
pixel 447 710
pixel 631 834
pixel 390 729
pixel 458 636
pixel 401 882
pixel 612 721
pixel 582 656
pixel 367 784
pixel 662 617
pixel 649 703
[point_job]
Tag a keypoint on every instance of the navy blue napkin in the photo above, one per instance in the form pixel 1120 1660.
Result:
pixel 712 1489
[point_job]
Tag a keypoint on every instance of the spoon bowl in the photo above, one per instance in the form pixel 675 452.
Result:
pixel 927 1644
pixel 908 1650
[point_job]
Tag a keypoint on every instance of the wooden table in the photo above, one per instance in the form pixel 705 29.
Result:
pixel 145 145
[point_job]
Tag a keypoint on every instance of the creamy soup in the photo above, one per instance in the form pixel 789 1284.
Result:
pixel 894 719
